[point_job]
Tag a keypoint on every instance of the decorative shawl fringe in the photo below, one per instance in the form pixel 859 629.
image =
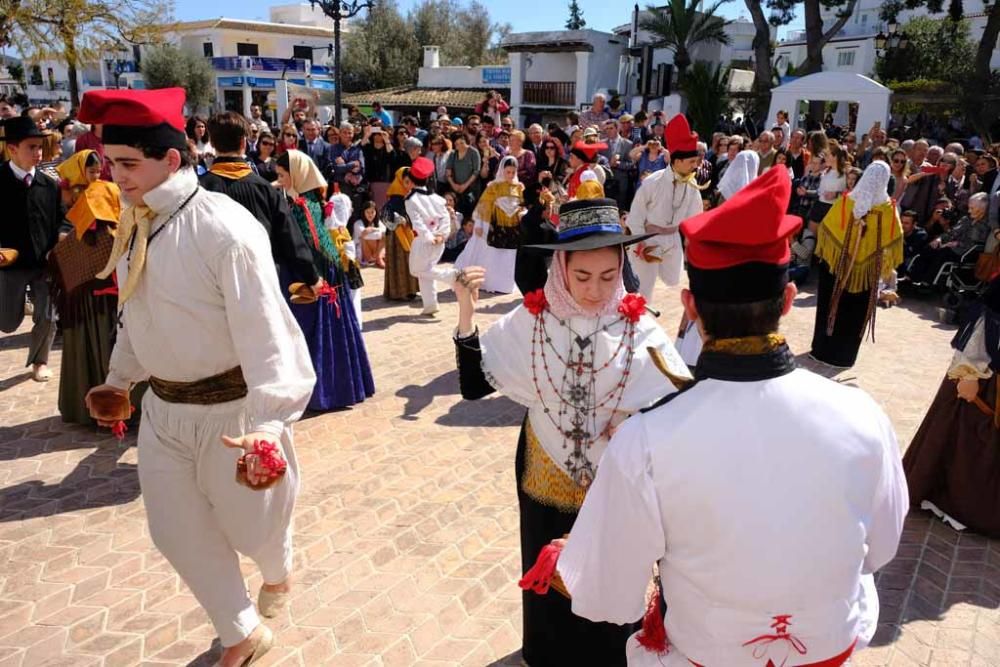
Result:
pixel 861 277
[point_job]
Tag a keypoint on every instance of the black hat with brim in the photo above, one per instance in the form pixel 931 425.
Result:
pixel 589 224
pixel 19 128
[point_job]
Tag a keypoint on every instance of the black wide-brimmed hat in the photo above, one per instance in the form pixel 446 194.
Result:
pixel 20 127
pixel 588 224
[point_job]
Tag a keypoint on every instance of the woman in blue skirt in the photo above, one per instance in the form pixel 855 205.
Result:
pixel 330 324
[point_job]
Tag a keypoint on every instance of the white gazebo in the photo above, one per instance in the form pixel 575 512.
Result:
pixel 871 97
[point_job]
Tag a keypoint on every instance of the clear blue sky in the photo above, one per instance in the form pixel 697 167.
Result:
pixel 523 15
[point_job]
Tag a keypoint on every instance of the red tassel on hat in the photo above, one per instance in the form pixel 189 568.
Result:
pixel 539 577
pixel 653 636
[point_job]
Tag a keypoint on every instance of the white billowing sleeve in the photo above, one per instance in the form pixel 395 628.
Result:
pixel 506 348
pixel 890 503
pixel 268 341
pixel 637 214
pixel 418 212
pixel 125 369
pixel 972 363
pixel 618 535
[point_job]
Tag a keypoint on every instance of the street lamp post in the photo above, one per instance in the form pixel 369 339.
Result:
pixel 891 41
pixel 339 10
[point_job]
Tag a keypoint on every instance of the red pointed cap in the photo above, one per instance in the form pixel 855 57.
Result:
pixel 739 252
pixel 588 152
pixel 680 139
pixel 421 168
pixel 134 108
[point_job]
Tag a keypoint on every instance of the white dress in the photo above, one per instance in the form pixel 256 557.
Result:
pixel 498 262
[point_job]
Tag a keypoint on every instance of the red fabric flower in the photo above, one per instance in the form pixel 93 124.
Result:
pixel 536 302
pixel 632 307
pixel 270 458
pixel 118 430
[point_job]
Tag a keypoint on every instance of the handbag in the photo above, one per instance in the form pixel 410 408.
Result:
pixel 987 264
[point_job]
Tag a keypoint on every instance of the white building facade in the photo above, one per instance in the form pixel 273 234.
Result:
pixel 853 48
pixel 555 72
pixel 248 57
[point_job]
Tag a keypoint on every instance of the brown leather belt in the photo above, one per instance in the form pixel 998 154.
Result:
pixel 222 388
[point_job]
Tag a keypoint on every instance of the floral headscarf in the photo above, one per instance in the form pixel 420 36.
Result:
pixel 561 302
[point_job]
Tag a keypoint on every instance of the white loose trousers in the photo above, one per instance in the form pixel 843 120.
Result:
pixel 201 519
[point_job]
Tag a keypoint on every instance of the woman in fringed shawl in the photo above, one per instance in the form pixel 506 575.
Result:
pixel 330 324
pixel 580 355
pixel 860 242
pixel 400 285
pixel 85 303
pixel 953 464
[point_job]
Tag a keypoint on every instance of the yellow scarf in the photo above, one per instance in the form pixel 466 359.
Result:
pixel 234 171
pixel 73 170
pixel 99 201
pixel 876 253
pixel 397 187
pixel 136 220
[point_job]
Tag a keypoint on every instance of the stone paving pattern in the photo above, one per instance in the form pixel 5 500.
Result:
pixel 406 529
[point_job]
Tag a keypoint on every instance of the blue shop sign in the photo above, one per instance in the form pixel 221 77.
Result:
pixel 230 81
pixel 496 76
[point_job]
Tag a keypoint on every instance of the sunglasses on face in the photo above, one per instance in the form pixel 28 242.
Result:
pixel 267 143
pixel 507 125
pixel 899 161
pixel 289 134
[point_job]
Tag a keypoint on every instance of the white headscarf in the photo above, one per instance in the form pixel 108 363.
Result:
pixel 507 161
pixel 739 173
pixel 872 188
pixel 305 175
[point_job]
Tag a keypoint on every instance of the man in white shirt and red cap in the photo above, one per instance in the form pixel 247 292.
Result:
pixel 664 200
pixel 204 321
pixel 431 222
pixel 767 495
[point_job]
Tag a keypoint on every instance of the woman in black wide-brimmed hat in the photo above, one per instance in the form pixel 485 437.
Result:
pixel 581 355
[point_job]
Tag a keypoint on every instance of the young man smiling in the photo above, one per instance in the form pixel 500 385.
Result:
pixel 204 321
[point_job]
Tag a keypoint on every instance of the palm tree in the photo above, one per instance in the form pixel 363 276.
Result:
pixel 680 26
pixel 707 93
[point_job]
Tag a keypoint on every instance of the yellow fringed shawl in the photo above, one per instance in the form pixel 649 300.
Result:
pixel 490 212
pixel 879 251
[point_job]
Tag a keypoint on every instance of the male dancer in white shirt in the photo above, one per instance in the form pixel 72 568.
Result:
pixel 204 321
pixel 767 495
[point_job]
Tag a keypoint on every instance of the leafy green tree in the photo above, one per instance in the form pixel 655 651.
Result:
pixel 980 89
pixel 384 48
pixel 761 48
pixel 939 50
pixel 380 51
pixel 680 26
pixel 575 20
pixel 168 66
pixel 704 87
pixel 78 31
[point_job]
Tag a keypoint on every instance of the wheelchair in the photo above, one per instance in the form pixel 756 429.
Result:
pixel 955 280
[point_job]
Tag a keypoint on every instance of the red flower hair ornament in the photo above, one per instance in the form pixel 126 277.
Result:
pixel 536 302
pixel 632 307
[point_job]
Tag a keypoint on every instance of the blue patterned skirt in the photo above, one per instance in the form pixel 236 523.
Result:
pixel 339 357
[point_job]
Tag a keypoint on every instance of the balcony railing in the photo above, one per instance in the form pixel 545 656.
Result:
pixel 550 93
pixel 257 64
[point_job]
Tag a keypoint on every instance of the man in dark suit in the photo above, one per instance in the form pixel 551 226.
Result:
pixel 313 145
pixel 29 226
pixel 618 159
pixel 231 175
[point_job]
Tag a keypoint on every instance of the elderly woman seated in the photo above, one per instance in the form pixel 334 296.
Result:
pixel 968 234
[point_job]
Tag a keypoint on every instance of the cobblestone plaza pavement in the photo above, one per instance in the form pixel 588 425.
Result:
pixel 407 527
